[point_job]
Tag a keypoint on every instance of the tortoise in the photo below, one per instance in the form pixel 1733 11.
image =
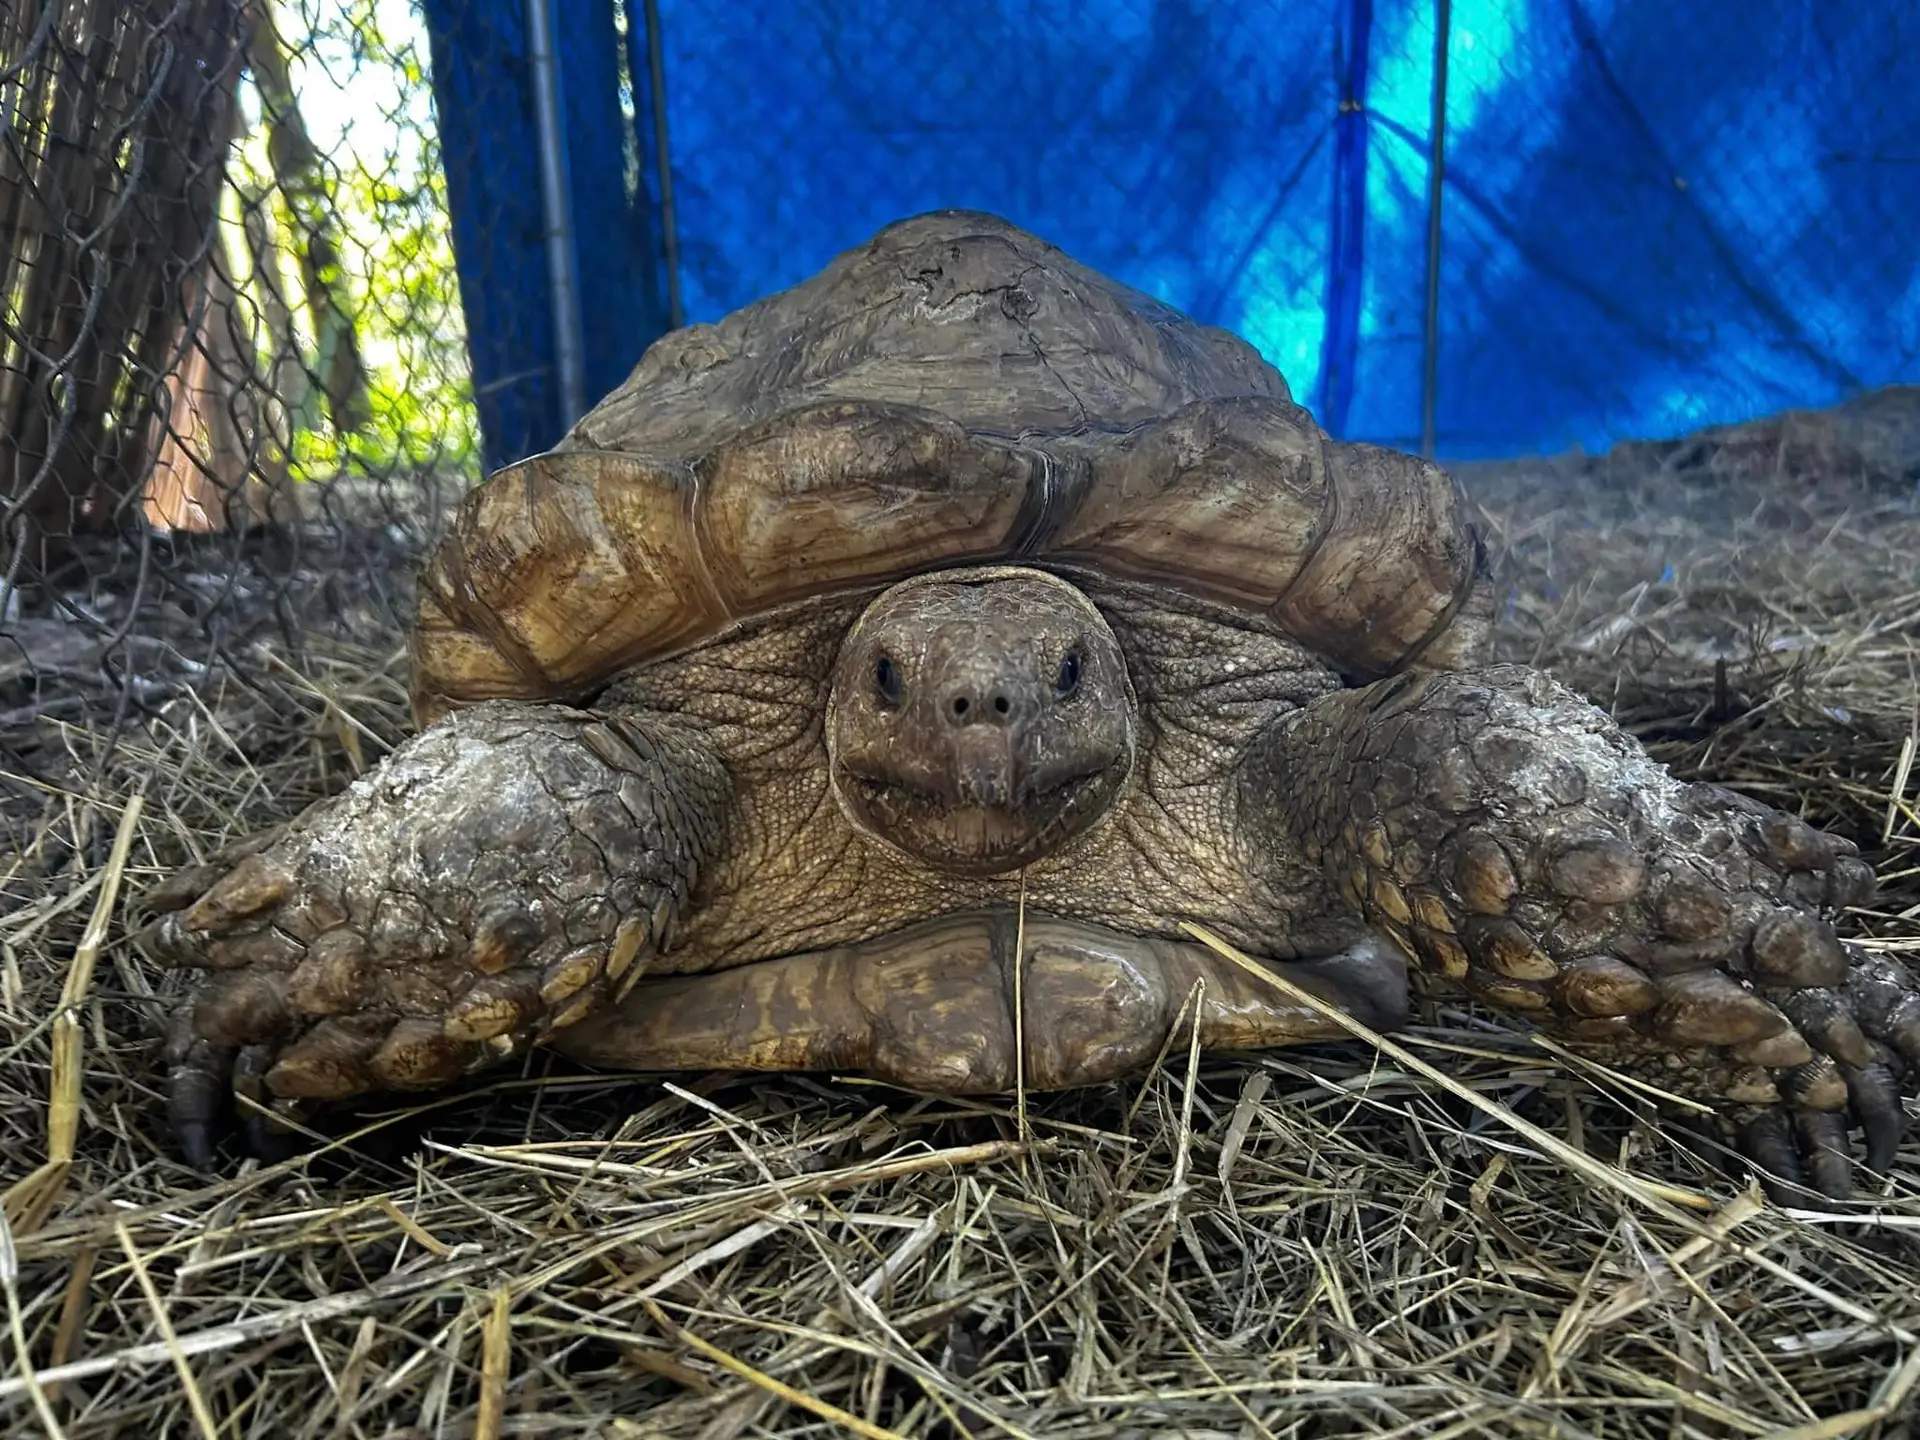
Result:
pixel 960 625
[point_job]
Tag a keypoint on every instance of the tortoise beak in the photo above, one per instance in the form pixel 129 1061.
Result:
pixel 985 766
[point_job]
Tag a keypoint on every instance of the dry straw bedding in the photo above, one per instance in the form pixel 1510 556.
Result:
pixel 1458 1234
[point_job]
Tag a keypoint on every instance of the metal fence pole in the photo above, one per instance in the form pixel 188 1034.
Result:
pixel 669 225
pixel 557 203
pixel 1436 176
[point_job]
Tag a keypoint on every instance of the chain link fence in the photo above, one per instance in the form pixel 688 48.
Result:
pixel 234 389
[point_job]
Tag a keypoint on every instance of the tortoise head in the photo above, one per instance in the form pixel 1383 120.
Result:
pixel 980 719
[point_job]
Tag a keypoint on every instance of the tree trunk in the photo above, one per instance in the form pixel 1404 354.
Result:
pixel 220 460
pixel 303 186
pixel 123 120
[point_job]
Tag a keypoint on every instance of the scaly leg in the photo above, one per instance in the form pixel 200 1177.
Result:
pixel 1510 837
pixel 493 881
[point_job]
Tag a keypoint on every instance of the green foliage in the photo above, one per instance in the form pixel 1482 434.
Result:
pixel 359 76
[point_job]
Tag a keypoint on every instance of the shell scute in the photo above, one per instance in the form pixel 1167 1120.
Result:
pixel 1393 570
pixel 841 495
pixel 1225 498
pixel 558 571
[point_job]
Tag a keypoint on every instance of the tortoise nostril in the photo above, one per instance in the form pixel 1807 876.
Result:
pixel 981 702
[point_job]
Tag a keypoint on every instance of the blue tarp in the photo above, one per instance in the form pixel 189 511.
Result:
pixel 1656 215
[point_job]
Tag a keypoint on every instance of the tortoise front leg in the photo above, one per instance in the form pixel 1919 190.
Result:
pixel 1510 837
pixel 493 881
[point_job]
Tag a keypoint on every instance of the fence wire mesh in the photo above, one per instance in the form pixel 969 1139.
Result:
pixel 233 377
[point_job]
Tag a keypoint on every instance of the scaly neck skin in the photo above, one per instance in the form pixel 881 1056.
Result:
pixel 798 873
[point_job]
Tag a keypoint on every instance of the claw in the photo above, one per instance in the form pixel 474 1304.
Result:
pixel 196 1141
pixel 196 1089
pixel 1825 1151
pixel 1876 1099
pixel 1764 1138
pixel 269 1138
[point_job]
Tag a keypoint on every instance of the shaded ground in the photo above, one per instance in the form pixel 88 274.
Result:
pixel 1321 1243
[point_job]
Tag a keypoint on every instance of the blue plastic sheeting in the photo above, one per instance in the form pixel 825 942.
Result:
pixel 1183 147
pixel 1662 216
pixel 491 155
pixel 1657 215
pixel 487 148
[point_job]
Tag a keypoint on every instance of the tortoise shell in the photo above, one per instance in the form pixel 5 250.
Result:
pixel 953 392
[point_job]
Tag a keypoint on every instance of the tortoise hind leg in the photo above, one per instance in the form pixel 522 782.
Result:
pixel 493 881
pixel 1516 841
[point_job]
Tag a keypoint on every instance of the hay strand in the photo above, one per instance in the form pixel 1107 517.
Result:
pixel 1661 1199
pixel 196 1402
pixel 777 1388
pixel 496 1359
pixel 17 1331
pixel 29 1201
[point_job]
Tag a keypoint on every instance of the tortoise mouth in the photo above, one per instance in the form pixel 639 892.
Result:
pixel 980 839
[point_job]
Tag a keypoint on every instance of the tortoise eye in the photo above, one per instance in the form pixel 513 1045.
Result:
pixel 886 680
pixel 1068 680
